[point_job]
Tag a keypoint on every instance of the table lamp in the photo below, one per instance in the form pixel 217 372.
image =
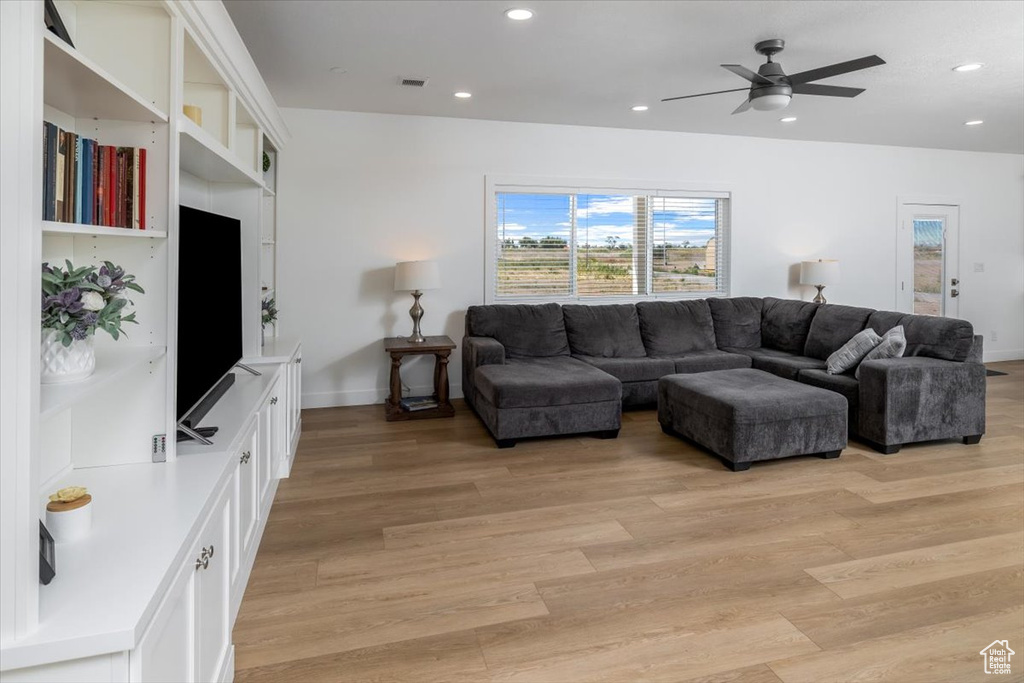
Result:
pixel 415 276
pixel 819 273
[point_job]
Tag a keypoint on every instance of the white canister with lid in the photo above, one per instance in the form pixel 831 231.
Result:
pixel 69 521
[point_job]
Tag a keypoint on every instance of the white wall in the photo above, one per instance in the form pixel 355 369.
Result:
pixel 359 192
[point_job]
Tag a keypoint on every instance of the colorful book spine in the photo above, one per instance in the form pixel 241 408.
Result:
pixel 92 184
pixel 49 171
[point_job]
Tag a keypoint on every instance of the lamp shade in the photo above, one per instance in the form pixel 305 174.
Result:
pixel 820 272
pixel 414 275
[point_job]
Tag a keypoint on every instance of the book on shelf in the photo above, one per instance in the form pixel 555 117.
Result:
pixel 92 184
pixel 417 403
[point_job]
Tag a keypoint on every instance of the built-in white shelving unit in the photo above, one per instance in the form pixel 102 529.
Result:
pixel 133 67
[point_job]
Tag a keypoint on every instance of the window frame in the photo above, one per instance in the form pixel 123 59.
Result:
pixel 576 186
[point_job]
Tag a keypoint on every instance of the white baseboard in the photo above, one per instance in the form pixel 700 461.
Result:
pixel 996 356
pixel 365 397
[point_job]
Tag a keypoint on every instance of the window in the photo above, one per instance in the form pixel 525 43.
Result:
pixel 557 243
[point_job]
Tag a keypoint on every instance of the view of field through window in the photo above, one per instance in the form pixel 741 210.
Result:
pixel 622 245
pixel 928 244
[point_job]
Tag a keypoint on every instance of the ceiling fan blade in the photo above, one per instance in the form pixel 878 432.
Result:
pixel 836 69
pixel 703 94
pixel 744 72
pixel 743 107
pixel 826 90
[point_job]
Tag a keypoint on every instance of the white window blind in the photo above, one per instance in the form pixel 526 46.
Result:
pixel 603 244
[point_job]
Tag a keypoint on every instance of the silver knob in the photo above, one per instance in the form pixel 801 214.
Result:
pixel 954 293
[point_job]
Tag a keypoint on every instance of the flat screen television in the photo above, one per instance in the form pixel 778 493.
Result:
pixel 209 311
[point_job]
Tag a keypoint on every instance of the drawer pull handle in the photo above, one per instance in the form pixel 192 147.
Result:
pixel 273 401
pixel 246 456
pixel 204 558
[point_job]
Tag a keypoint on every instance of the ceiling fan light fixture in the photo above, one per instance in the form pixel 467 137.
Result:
pixel 771 102
pixel 973 66
pixel 519 14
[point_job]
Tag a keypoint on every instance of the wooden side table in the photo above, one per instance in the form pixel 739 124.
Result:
pixel 399 347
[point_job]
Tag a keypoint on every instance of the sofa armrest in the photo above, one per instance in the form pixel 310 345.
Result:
pixel 977 352
pixel 477 351
pixel 903 400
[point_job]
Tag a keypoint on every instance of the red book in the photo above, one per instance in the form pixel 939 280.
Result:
pixel 109 195
pixel 142 188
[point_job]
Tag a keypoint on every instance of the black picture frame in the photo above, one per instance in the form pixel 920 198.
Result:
pixel 47 556
pixel 53 22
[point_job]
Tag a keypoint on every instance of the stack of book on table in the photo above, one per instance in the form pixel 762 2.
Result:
pixel 92 184
pixel 416 403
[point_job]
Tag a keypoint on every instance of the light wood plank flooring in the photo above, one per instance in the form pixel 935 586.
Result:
pixel 417 551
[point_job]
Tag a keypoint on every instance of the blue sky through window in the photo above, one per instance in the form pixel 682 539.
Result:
pixel 600 217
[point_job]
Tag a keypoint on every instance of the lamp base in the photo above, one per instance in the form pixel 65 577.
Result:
pixel 416 313
pixel 820 299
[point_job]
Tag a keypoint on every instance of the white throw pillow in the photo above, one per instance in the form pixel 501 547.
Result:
pixel 893 344
pixel 847 356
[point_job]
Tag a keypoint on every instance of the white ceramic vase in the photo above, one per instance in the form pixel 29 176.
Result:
pixel 59 363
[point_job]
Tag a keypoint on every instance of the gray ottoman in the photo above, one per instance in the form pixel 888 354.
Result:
pixel 747 415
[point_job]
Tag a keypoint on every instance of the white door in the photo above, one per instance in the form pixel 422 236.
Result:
pixel 166 651
pixel 212 593
pixel 927 259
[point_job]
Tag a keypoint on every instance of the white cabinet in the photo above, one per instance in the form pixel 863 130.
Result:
pixel 269 435
pixel 293 403
pixel 212 592
pixel 188 638
pixel 245 508
pixel 166 651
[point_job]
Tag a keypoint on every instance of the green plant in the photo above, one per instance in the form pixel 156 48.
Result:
pixel 77 301
pixel 269 311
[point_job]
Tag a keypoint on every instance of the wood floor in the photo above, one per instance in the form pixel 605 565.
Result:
pixel 417 551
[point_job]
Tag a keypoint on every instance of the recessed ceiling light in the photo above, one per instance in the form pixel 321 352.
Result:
pixel 975 122
pixel 339 70
pixel 788 119
pixel 463 95
pixel 973 66
pixel 519 14
pixel 640 107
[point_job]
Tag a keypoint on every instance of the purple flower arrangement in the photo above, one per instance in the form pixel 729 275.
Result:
pixel 77 301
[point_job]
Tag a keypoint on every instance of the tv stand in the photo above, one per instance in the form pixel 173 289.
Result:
pixel 200 434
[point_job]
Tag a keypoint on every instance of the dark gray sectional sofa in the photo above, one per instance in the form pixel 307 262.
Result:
pixel 545 369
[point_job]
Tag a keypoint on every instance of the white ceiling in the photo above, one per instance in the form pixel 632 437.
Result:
pixel 587 63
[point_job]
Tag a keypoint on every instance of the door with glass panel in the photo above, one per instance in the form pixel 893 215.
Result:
pixel 927 263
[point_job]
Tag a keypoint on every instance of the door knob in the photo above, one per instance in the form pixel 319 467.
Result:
pixel 954 282
pixel 954 293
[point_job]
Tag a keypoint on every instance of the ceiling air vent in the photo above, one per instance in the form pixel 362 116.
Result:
pixel 414 82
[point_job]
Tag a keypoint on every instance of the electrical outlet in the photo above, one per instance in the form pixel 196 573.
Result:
pixel 994 336
pixel 159 448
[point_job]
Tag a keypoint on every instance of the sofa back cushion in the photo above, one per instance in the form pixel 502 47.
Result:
pixel 785 324
pixel 674 328
pixel 611 331
pixel 833 326
pixel 525 330
pixel 737 321
pixel 935 337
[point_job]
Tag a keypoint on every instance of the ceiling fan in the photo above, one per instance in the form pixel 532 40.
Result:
pixel 771 89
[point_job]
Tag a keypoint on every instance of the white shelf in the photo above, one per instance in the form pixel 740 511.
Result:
pixel 108 584
pixel 204 157
pixel 268 243
pixel 79 87
pixel 111 363
pixel 99 230
pixel 267 192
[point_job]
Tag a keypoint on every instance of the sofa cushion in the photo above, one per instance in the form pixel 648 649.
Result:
pixel 674 328
pixel 737 321
pixel 892 345
pixel 935 337
pixel 833 326
pixel 632 369
pixel 611 331
pixel 538 382
pixel 850 354
pixel 525 330
pixel 845 384
pixel 785 324
pixel 706 361
pixel 785 365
